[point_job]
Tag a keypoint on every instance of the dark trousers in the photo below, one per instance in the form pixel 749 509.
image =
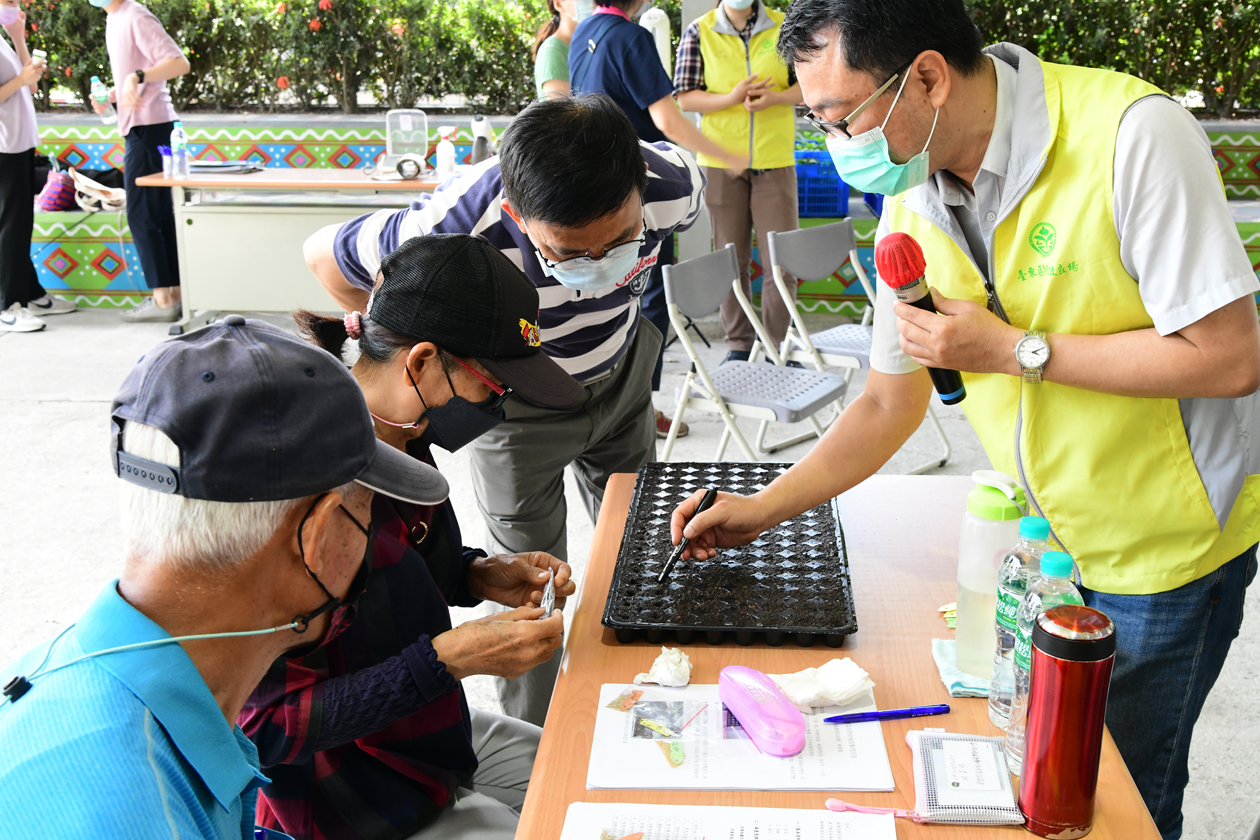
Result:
pixel 1169 651
pixel 150 213
pixel 654 303
pixel 18 283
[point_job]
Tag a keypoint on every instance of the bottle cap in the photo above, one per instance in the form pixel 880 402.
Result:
pixel 991 503
pixel 96 78
pixel 1056 564
pixel 1034 528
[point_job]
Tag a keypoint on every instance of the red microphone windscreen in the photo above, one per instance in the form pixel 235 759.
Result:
pixel 899 260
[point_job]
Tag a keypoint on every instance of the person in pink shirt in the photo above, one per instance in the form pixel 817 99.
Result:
pixel 143 57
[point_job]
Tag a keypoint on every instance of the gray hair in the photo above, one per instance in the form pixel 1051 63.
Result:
pixel 194 535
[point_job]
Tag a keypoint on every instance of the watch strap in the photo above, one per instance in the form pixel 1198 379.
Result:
pixel 139 76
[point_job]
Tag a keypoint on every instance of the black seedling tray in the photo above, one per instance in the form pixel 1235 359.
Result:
pixel 792 583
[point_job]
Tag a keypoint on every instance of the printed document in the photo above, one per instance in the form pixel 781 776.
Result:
pixel 609 821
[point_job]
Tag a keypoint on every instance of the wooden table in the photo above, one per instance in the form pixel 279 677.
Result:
pixel 240 237
pixel 902 537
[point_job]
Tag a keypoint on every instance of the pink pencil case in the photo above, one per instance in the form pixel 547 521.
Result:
pixel 774 724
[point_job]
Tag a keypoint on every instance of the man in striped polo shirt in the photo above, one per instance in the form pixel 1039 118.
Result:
pixel 582 207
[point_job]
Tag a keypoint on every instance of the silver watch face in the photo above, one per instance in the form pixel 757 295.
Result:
pixel 1032 352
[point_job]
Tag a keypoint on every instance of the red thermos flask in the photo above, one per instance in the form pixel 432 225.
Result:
pixel 1073 648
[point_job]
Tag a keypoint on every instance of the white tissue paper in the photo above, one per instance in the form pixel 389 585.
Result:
pixel 837 683
pixel 672 668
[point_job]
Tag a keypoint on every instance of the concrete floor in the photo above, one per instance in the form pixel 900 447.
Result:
pixel 62 541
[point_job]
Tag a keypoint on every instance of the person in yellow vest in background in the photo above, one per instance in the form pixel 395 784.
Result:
pixel 1098 301
pixel 729 71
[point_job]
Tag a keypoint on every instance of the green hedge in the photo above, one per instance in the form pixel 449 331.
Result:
pixel 245 52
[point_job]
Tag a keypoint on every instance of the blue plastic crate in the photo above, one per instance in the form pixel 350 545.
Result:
pixel 820 192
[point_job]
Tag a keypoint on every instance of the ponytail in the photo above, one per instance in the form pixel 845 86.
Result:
pixel 377 343
pixel 546 30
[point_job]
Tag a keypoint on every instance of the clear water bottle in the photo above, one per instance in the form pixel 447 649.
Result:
pixel 1053 588
pixel 989 528
pixel 179 152
pixel 1018 565
pixel 100 94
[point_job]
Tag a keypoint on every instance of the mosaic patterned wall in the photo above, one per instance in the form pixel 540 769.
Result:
pixel 1238 156
pixel 84 259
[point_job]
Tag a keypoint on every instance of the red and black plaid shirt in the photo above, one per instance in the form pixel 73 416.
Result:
pixel 367 737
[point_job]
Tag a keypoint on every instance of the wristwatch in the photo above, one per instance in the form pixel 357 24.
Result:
pixel 1032 352
pixel 139 76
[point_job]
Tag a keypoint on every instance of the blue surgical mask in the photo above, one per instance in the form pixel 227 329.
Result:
pixel 582 9
pixel 584 274
pixel 863 161
pixel 100 4
pixel 738 4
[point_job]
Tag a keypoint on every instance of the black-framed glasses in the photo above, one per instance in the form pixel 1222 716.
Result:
pixel 836 128
pixel 611 255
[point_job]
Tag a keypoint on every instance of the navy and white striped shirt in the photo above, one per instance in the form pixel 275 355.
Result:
pixel 586 333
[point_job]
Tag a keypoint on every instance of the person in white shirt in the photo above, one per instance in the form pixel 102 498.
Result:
pixel 22 298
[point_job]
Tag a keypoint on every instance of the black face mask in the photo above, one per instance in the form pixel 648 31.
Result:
pixel 344 609
pixel 459 422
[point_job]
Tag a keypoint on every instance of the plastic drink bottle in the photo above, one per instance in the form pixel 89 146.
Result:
pixel 990 527
pixel 1073 649
pixel 446 153
pixel 100 93
pixel 1053 588
pixel 179 152
pixel 1019 563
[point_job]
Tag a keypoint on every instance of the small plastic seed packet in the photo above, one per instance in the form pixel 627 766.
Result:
pixel 549 596
pixel 625 701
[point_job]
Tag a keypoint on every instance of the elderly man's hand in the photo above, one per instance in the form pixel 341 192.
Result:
pixel 502 645
pixel 517 580
pixel 969 338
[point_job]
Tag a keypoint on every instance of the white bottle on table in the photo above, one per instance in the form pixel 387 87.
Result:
pixel 179 152
pixel 1053 587
pixel 446 153
pixel 100 93
pixel 1018 567
pixel 989 528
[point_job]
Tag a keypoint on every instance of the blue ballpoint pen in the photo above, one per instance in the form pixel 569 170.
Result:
pixel 890 714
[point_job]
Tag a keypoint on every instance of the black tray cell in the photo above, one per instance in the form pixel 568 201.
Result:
pixel 790 585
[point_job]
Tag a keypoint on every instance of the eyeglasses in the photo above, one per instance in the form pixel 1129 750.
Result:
pixel 612 254
pixel 838 127
pixel 502 392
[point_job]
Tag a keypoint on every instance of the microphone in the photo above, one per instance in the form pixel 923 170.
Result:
pixel 900 263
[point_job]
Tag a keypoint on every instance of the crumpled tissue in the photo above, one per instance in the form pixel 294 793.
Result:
pixel 837 683
pixel 672 668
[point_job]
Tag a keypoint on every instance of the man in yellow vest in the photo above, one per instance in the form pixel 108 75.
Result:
pixel 728 70
pixel 1100 305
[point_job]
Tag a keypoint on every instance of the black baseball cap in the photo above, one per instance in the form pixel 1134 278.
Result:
pixel 259 416
pixel 464 295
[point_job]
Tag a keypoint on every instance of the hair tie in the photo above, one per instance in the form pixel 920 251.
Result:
pixel 354 324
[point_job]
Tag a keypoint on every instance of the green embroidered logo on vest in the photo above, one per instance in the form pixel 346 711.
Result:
pixel 1043 238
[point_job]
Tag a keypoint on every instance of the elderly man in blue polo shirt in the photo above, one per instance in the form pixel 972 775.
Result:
pixel 250 463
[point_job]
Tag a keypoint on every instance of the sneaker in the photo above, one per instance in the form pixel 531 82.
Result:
pixel 663 423
pixel 150 313
pixel 796 365
pixel 736 356
pixel 49 305
pixel 17 318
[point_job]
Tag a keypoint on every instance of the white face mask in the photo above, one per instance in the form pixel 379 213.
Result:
pixel 8 15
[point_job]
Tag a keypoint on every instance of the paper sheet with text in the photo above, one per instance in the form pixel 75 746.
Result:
pixel 610 821
pixel 653 738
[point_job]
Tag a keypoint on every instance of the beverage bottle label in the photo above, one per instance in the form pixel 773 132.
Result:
pixel 1007 608
pixel 1023 648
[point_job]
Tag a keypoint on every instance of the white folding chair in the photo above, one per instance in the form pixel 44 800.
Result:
pixel 815 254
pixel 695 288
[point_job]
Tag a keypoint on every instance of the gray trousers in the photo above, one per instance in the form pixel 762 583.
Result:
pixel 518 477
pixel 490 810
pixel 765 200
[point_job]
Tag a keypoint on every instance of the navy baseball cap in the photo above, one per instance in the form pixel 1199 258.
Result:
pixel 259 416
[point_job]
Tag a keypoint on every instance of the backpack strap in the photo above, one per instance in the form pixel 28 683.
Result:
pixel 582 59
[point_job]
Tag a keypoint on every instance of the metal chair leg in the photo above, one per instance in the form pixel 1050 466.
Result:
pixel 947 451
pixel 683 396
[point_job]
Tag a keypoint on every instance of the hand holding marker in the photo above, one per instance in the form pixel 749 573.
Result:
pixel 900 263
pixel 709 496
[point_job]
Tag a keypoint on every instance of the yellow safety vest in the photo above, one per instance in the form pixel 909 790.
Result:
pixel 768 135
pixel 1114 475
